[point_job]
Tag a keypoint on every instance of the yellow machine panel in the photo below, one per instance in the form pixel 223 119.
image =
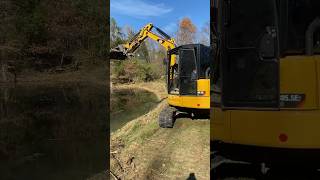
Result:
pixel 195 102
pixel 265 105
pixel 298 75
pixel 287 129
pixel 219 125
pixel 296 127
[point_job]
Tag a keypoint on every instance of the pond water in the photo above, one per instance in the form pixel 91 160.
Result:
pixel 52 132
pixel 128 104
pixel 59 132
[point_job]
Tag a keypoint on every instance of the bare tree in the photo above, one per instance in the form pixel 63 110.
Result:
pixel 204 34
pixel 128 32
pixel 186 33
pixel 143 51
pixel 116 35
pixel 7 31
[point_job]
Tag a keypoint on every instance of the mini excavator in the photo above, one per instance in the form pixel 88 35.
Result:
pixel 188 73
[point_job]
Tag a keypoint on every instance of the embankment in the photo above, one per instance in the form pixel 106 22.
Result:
pixel 142 150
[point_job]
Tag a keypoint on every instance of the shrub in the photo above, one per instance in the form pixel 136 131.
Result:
pixel 136 70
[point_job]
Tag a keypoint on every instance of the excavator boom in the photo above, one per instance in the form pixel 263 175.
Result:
pixel 124 51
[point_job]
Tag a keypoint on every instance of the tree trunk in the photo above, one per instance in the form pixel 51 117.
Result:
pixel 62 59
pixel 4 99
pixel 3 67
pixel 4 72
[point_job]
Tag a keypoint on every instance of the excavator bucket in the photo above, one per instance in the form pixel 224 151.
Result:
pixel 118 53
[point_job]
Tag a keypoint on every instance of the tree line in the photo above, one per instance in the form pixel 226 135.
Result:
pixel 41 34
pixel 148 62
pixel 186 33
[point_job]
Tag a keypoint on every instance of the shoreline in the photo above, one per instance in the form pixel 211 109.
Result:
pixel 147 86
pixel 95 74
pixel 127 139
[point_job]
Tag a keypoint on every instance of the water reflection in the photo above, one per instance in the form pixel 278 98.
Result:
pixel 52 132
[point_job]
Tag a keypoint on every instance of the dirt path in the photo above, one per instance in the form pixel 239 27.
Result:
pixel 176 153
pixel 142 150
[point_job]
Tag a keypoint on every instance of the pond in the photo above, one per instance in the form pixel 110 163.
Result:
pixel 128 104
pixel 59 132
pixel 52 132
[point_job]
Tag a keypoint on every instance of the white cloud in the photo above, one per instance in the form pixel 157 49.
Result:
pixel 138 8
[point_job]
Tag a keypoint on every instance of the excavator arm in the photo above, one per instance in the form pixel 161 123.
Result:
pixel 124 51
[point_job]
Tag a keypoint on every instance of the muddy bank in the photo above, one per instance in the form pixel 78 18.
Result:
pixel 142 150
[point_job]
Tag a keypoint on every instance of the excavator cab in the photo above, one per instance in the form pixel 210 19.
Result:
pixel 188 82
pixel 191 64
pixel 265 86
pixel 250 55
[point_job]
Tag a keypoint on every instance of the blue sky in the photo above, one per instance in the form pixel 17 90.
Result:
pixel 164 14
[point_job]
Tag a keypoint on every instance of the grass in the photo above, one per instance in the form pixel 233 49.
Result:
pixel 140 132
pixel 156 153
pixel 143 127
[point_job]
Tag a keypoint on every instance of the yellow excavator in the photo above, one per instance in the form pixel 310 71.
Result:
pixel 265 89
pixel 188 73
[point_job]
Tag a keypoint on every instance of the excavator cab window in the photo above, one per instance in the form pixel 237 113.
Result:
pixel 183 74
pixel 192 62
pixel 188 72
pixel 173 72
pixel 187 69
pixel 294 21
pixel 249 54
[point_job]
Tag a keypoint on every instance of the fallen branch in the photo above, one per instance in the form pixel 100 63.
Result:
pixel 114 176
pixel 118 161
pixel 158 173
